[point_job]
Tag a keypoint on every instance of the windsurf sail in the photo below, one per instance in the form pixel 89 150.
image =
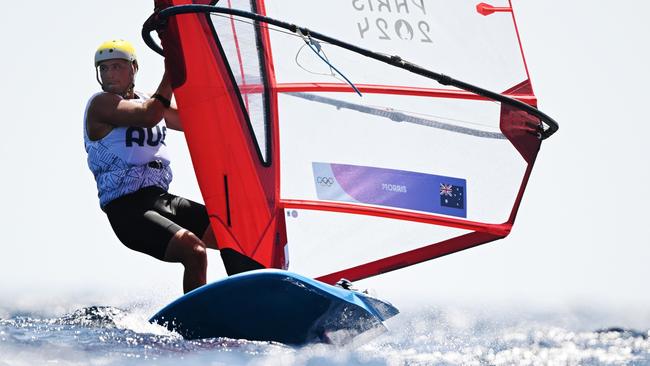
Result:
pixel 346 130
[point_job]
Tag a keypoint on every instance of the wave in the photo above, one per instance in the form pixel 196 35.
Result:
pixel 110 335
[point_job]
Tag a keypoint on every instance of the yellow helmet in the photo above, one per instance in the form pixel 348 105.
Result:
pixel 115 49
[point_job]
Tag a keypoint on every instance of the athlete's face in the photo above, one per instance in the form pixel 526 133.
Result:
pixel 117 75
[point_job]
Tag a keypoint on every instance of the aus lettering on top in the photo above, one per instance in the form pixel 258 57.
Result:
pixel 141 135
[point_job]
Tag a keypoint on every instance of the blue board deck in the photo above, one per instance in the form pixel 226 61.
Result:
pixel 273 305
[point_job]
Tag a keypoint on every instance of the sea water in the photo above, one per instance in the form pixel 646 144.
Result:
pixel 63 332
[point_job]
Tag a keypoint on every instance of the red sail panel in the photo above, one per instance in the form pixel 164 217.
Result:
pixel 238 187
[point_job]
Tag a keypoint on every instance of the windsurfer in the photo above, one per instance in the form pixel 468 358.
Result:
pixel 124 136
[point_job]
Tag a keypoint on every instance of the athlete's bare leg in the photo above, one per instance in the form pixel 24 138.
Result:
pixel 233 261
pixel 188 249
pixel 209 239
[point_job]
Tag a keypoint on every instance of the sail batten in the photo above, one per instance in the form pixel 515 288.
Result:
pixel 377 211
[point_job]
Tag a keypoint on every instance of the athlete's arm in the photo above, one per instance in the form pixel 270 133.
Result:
pixel 172 119
pixel 111 109
pixel 108 110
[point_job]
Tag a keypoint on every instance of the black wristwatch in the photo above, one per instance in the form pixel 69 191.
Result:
pixel 165 102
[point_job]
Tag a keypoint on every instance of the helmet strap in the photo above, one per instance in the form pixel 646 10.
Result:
pixel 129 94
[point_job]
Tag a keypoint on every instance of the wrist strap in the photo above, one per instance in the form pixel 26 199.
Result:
pixel 165 102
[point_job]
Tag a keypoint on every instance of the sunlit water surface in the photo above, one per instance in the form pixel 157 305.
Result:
pixel 89 334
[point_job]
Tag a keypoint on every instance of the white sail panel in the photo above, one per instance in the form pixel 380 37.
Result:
pixel 324 242
pixel 448 36
pixel 313 131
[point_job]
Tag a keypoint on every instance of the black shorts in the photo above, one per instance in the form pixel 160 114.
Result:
pixel 147 219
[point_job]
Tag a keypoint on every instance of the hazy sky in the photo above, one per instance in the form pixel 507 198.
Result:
pixel 580 237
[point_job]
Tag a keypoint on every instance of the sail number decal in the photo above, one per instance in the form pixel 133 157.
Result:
pixel 393 20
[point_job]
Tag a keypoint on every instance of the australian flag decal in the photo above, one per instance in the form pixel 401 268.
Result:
pixel 452 196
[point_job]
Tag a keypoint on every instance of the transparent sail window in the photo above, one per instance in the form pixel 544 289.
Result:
pixel 240 42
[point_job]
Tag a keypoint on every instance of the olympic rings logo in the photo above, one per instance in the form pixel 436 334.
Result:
pixel 325 181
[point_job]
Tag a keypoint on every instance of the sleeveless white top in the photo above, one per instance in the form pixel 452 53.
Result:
pixel 128 158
